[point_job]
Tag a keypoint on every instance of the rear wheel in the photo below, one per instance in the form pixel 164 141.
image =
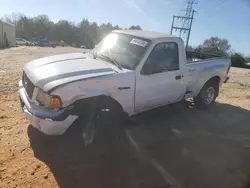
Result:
pixel 207 95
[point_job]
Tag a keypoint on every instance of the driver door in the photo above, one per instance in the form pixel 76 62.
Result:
pixel 160 81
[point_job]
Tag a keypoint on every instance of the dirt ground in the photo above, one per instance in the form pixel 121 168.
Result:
pixel 177 145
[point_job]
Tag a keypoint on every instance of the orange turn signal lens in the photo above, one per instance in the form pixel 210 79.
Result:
pixel 55 102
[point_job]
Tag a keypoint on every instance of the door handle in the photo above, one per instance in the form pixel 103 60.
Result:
pixel 178 77
pixel 191 70
pixel 122 88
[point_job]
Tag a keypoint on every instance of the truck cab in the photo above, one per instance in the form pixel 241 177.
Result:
pixel 163 67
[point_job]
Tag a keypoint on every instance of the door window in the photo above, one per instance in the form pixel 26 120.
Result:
pixel 164 57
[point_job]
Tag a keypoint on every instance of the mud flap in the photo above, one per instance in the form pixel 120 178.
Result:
pixel 226 79
pixel 21 103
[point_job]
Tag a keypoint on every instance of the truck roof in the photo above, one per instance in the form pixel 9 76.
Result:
pixel 144 34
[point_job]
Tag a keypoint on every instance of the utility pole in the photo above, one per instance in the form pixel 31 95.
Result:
pixel 183 24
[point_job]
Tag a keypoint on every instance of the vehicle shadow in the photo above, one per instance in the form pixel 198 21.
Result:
pixel 112 163
pixel 200 148
pixel 109 164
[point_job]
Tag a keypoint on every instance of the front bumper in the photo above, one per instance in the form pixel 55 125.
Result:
pixel 50 122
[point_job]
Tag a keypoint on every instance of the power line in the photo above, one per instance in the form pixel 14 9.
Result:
pixel 183 24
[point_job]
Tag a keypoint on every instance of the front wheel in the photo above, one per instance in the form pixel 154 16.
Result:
pixel 85 128
pixel 90 129
pixel 207 95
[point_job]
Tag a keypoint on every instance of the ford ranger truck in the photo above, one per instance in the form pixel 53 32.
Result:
pixel 128 72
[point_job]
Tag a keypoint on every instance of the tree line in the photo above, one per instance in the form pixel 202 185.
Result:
pixel 41 27
pixel 90 33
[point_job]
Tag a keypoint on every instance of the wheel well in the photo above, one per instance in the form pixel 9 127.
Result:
pixel 215 79
pixel 103 102
pixel 107 102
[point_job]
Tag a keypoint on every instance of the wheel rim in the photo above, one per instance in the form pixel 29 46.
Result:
pixel 209 95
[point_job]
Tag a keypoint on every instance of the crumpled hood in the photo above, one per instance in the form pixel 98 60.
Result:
pixel 50 72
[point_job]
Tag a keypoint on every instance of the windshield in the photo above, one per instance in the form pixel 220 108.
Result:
pixel 126 50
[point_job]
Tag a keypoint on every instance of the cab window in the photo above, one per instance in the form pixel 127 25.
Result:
pixel 164 57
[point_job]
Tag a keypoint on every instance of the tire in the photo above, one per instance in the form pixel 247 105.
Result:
pixel 96 124
pixel 85 128
pixel 90 127
pixel 207 95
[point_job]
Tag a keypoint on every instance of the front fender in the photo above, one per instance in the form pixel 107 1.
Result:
pixel 101 86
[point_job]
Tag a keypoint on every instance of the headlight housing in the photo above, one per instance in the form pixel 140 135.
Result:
pixel 53 102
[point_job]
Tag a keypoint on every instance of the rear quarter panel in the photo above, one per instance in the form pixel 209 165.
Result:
pixel 205 70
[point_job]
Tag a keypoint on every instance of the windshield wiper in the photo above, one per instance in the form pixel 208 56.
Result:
pixel 111 60
pixel 93 54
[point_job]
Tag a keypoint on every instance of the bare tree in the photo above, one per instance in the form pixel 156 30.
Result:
pixel 12 18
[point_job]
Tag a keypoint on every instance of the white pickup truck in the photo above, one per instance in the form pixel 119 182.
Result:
pixel 128 72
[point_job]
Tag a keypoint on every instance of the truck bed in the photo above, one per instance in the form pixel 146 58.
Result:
pixel 197 56
pixel 200 71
